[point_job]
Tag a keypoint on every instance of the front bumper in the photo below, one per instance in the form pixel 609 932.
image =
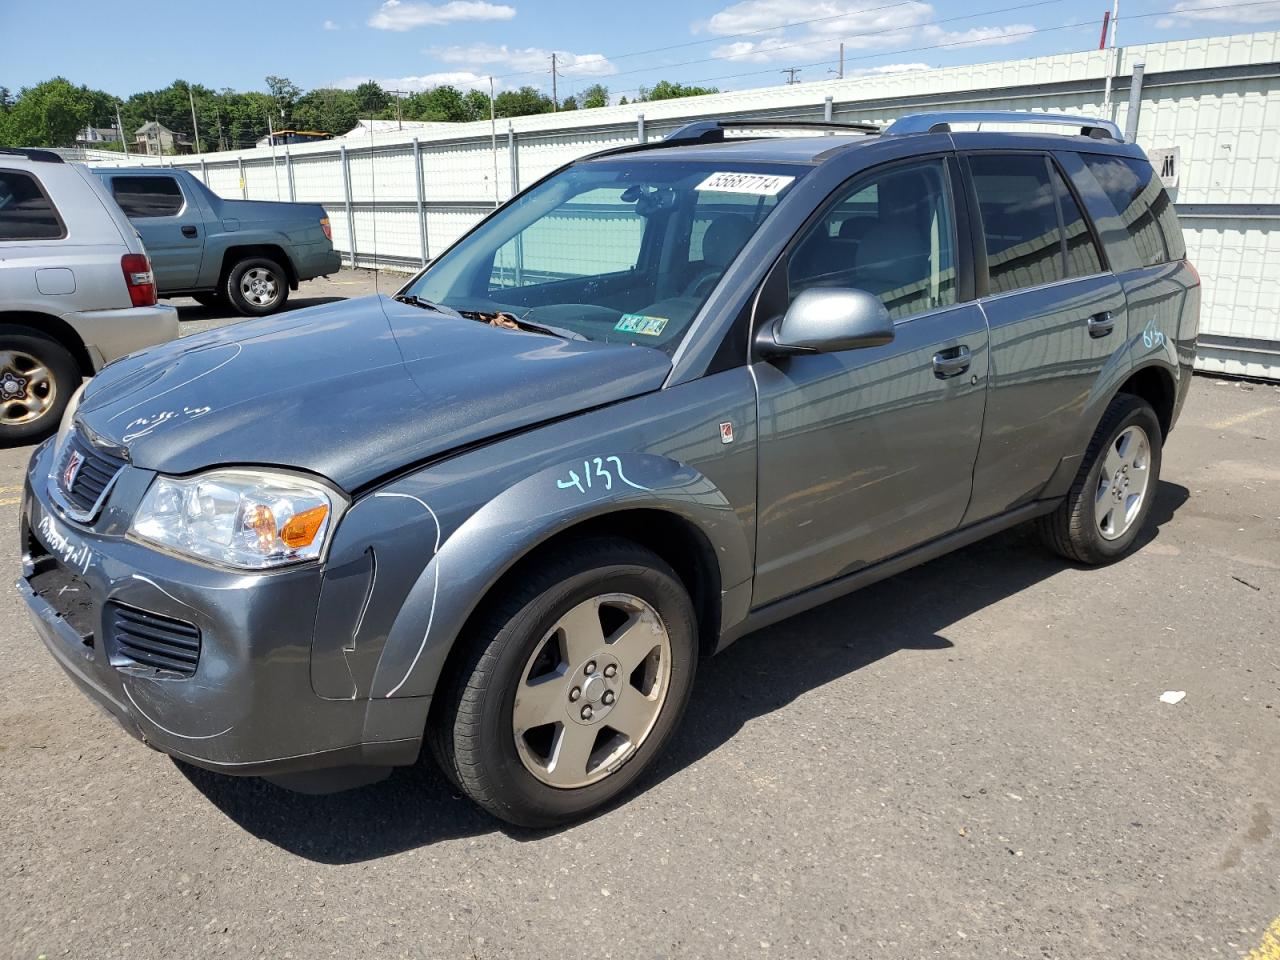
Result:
pixel 112 334
pixel 248 706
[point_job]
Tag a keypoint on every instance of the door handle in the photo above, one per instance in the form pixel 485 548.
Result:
pixel 951 362
pixel 1101 324
pixel 189 231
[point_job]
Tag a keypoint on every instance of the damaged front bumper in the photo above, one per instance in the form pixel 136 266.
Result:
pixel 210 666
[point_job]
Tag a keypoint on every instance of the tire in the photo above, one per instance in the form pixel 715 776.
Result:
pixel 214 299
pixel 38 375
pixel 257 286
pixel 1099 521
pixel 520 641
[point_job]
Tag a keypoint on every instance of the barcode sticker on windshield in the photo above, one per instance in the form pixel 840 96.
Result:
pixel 758 184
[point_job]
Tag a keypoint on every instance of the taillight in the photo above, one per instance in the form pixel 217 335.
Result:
pixel 328 230
pixel 1194 272
pixel 139 279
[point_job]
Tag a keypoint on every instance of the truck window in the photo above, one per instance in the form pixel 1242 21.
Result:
pixel 148 196
pixel 26 213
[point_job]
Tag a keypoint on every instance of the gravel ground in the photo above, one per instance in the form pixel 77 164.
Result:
pixel 968 761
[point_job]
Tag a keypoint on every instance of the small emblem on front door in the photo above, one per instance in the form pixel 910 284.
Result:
pixel 726 432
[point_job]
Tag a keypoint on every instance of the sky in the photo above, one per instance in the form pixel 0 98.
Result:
pixel 411 45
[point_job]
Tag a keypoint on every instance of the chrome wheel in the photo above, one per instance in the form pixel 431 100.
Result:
pixel 27 388
pixel 259 287
pixel 1122 486
pixel 592 690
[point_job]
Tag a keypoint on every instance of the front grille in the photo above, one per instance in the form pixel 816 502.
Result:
pixel 89 479
pixel 67 593
pixel 152 639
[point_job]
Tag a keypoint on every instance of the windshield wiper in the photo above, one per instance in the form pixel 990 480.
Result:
pixel 416 301
pixel 563 332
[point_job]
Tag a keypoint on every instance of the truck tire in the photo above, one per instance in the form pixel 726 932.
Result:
pixel 257 286
pixel 569 686
pixel 1109 502
pixel 38 375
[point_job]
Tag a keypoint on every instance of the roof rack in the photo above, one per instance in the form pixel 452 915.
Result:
pixel 713 131
pixel 44 156
pixel 941 122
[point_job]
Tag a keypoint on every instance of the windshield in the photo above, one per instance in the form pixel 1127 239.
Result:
pixel 616 251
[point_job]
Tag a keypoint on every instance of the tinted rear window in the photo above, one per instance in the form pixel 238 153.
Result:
pixel 147 196
pixel 25 212
pixel 1143 206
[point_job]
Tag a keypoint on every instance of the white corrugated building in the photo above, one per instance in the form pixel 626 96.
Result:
pixel 1209 116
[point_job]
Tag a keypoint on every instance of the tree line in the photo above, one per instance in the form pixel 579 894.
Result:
pixel 52 113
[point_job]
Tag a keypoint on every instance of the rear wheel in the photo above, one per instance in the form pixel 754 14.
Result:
pixel 257 286
pixel 571 686
pixel 1110 500
pixel 38 375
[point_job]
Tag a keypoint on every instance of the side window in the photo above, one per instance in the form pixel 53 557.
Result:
pixel 1142 205
pixel 1083 259
pixel 1019 220
pixel 592 234
pixel 26 213
pixel 890 233
pixel 147 196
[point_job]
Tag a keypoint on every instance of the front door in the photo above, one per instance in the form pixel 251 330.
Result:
pixel 866 453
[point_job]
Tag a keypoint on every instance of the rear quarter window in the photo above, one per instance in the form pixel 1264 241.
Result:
pixel 147 196
pixel 26 212
pixel 1143 207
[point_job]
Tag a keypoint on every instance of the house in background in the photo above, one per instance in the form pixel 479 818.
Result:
pixel 156 140
pixel 94 135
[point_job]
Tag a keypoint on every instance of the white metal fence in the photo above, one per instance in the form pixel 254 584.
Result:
pixel 1208 112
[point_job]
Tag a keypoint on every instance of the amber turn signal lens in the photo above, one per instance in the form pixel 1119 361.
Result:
pixel 301 529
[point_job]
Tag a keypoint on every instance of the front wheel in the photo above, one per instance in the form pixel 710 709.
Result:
pixel 257 287
pixel 571 686
pixel 1110 500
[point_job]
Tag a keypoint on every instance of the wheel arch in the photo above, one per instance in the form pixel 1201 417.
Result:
pixel 55 327
pixel 1155 384
pixel 272 251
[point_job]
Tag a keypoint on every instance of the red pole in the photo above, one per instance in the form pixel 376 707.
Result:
pixel 1106 19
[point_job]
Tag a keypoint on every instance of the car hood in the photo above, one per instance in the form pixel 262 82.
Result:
pixel 351 391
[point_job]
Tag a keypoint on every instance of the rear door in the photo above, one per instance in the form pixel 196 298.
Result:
pixel 171 225
pixel 866 453
pixel 1057 319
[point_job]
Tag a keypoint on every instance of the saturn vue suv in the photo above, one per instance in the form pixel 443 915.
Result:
pixel 669 394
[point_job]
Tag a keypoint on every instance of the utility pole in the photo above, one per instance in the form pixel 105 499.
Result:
pixel 399 119
pixel 839 73
pixel 120 126
pixel 493 140
pixel 1106 93
pixel 791 74
pixel 555 100
pixel 195 124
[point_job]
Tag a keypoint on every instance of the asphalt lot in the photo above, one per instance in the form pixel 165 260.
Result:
pixel 970 760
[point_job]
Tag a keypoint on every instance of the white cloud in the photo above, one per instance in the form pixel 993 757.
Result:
pixel 980 36
pixel 1186 13
pixel 462 79
pixel 403 15
pixel 330 25
pixel 527 59
pixel 833 16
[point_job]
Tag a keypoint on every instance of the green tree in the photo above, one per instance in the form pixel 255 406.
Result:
pixel 569 103
pixel 522 102
pixel 596 95
pixel 50 114
pixel 371 99
pixel 477 102
pixel 443 103
pixel 6 99
pixel 327 108
pixel 668 90
pixel 285 93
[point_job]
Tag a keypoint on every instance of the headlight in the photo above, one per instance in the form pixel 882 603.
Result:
pixel 68 421
pixel 242 518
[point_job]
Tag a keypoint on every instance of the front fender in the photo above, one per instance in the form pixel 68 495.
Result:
pixel 527 514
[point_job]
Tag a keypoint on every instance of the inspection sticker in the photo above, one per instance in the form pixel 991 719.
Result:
pixel 639 323
pixel 757 184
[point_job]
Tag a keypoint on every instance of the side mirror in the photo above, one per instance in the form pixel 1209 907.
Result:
pixel 824 320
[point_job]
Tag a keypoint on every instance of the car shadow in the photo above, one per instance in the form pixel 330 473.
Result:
pixel 190 310
pixel 416 806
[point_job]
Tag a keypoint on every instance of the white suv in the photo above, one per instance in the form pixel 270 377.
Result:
pixel 76 289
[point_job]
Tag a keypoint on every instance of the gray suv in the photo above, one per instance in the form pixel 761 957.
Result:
pixel 669 394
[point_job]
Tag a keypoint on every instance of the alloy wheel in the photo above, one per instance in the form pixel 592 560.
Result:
pixel 592 690
pixel 1122 486
pixel 27 388
pixel 259 286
